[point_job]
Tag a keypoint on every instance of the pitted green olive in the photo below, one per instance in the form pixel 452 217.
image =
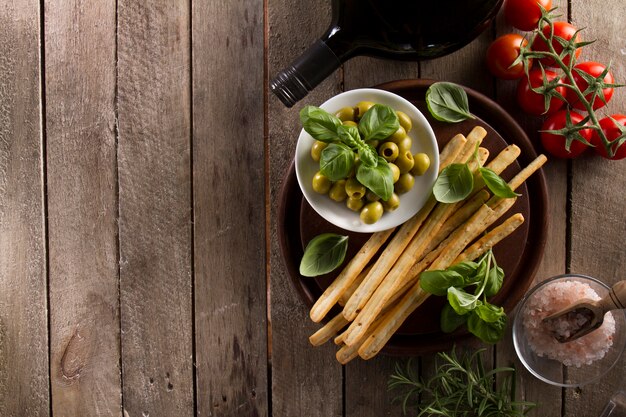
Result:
pixel 421 164
pixel 371 196
pixel 405 144
pixel 404 183
pixel 393 203
pixel 354 189
pixel 404 161
pixel 338 191
pixel 405 121
pixel 398 135
pixel 345 114
pixel 316 150
pixel 350 123
pixel 372 212
pixel 362 107
pixel 395 171
pixel 389 151
pixel 321 184
pixel 354 204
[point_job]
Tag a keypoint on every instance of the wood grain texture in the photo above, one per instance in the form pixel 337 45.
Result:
pixel 375 401
pixel 155 207
pixel 306 380
pixel 554 258
pixel 598 202
pixel 82 207
pixel 23 295
pixel 229 207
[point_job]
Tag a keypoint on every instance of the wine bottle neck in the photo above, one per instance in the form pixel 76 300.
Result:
pixel 305 73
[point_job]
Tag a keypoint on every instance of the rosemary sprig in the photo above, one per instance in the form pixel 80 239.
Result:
pixel 460 387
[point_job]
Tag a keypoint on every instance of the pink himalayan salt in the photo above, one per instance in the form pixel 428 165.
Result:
pixel 552 298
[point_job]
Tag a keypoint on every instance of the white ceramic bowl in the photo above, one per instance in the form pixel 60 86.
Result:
pixel 410 203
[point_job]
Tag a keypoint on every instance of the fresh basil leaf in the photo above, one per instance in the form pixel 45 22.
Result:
pixel 496 184
pixel 489 312
pixel 336 161
pixel 488 332
pixel 461 301
pixel 465 269
pixel 495 277
pixel 437 282
pixel 379 122
pixel 378 179
pixel 450 320
pixel 454 183
pixel 319 123
pixel 447 102
pixel 323 254
pixel 350 136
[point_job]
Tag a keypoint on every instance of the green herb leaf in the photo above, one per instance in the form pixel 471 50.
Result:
pixel 450 320
pixel 437 282
pixel 319 123
pixel 461 301
pixel 489 312
pixel 466 269
pixel 379 122
pixel 350 136
pixel 488 332
pixel 336 161
pixel 378 179
pixel 454 183
pixel 447 102
pixel 323 254
pixel 496 184
pixel 495 277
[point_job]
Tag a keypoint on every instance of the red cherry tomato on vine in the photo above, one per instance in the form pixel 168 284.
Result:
pixel 611 131
pixel 534 103
pixel 595 69
pixel 501 54
pixel 563 30
pixel 555 144
pixel 524 14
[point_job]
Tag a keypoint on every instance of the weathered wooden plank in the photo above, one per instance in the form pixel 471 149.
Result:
pixel 155 207
pixel 553 263
pixel 366 391
pixel 305 380
pixel 24 388
pixel 82 207
pixel 229 208
pixel 598 231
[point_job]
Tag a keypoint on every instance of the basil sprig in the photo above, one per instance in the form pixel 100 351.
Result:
pixel 323 254
pixel 467 286
pixel 338 158
pixel 447 102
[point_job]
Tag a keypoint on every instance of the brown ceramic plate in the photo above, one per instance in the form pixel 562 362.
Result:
pixel 519 255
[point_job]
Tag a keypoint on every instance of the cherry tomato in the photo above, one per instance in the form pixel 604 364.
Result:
pixel 555 144
pixel 524 14
pixel 611 131
pixel 563 30
pixel 501 54
pixel 594 69
pixel 534 103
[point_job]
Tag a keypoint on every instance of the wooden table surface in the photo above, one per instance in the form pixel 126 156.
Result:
pixel 141 161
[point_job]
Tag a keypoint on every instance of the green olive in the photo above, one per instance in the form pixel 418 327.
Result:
pixel 404 183
pixel 316 150
pixel 321 184
pixel 354 204
pixel 405 144
pixel 395 171
pixel 398 135
pixel 354 189
pixel 350 123
pixel 421 165
pixel 393 203
pixel 371 196
pixel 389 151
pixel 338 191
pixel 372 212
pixel 362 107
pixel 404 161
pixel 373 143
pixel 405 121
pixel 345 114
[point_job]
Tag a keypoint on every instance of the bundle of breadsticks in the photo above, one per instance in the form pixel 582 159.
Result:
pixel 378 293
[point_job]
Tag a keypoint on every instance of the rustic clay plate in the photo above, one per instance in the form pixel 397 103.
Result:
pixel 519 255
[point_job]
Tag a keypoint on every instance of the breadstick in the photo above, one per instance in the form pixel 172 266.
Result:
pixel 330 329
pixel 527 172
pixel 330 297
pixel 491 239
pixel 450 152
pixel 352 288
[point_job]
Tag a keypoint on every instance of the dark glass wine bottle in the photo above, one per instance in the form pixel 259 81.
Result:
pixel 397 29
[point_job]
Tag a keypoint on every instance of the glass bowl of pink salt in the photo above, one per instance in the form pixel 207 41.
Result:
pixel 577 362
